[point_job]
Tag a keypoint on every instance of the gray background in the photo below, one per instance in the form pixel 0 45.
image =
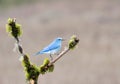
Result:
pixel 96 60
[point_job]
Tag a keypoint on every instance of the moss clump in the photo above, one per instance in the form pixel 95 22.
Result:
pixel 45 67
pixel 73 42
pixel 13 28
pixel 31 71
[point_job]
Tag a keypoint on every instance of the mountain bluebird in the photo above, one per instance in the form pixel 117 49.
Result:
pixel 52 48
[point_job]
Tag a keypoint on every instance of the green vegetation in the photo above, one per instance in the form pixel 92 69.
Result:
pixel 31 70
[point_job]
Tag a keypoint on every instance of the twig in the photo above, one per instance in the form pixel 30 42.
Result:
pixel 32 71
pixel 59 56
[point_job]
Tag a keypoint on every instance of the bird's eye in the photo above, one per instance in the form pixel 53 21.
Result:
pixel 59 38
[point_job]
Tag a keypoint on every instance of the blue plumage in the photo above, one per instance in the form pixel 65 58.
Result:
pixel 52 48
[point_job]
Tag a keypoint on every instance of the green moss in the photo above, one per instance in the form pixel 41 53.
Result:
pixel 45 67
pixel 51 68
pixel 46 61
pixel 31 71
pixel 73 42
pixel 8 28
pixel 25 61
pixel 18 26
pixel 13 28
pixel 42 69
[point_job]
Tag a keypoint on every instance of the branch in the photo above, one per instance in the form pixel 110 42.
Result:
pixel 71 45
pixel 33 71
pixel 59 56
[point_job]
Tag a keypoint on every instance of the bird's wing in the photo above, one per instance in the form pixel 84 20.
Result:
pixel 46 50
pixel 52 46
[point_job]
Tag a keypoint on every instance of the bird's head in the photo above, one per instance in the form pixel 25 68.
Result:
pixel 59 39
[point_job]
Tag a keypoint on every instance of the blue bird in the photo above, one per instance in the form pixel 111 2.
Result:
pixel 52 48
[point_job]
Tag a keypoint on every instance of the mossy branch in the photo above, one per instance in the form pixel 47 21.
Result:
pixel 33 71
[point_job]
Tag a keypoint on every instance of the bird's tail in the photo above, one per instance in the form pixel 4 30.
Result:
pixel 38 53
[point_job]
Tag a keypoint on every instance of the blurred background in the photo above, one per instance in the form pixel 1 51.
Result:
pixel 96 60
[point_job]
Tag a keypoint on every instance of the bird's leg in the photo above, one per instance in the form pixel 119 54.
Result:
pixel 51 57
pixel 58 53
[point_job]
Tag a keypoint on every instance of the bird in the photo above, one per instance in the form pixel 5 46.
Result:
pixel 53 48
